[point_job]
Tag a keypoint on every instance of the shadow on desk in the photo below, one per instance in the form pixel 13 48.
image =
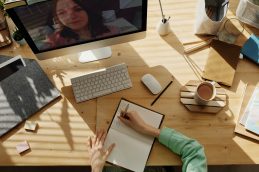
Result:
pixel 85 109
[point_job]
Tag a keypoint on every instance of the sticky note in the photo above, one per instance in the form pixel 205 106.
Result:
pixel 22 146
pixel 30 125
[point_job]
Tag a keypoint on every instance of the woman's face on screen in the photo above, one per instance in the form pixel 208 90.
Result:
pixel 71 15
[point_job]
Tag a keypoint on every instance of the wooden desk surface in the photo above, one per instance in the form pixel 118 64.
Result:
pixel 64 126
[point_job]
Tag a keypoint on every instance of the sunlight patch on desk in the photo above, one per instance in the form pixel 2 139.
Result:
pixel 47 140
pixel 49 160
pixel 44 138
pixel 243 144
pixel 59 118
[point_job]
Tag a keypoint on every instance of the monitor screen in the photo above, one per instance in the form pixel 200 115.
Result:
pixel 57 24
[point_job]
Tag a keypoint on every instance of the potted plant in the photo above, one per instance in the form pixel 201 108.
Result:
pixel 2 4
pixel 2 16
pixel 3 13
pixel 4 29
pixel 18 36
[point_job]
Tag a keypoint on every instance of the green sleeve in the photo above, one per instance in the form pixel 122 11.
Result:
pixel 191 152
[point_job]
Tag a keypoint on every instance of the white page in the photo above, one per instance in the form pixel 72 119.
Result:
pixel 129 152
pixel 252 122
pixel 132 149
pixel 249 107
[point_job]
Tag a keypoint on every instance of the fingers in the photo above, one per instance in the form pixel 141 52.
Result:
pixel 103 137
pixel 90 142
pixel 95 137
pixel 99 136
pixel 122 112
pixel 109 150
pixel 125 114
pixel 125 121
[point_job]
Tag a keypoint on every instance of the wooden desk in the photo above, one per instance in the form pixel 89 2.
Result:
pixel 64 126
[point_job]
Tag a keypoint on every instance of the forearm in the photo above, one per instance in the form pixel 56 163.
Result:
pixel 191 152
pixel 151 131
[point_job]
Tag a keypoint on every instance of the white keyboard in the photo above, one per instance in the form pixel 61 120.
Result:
pixel 101 82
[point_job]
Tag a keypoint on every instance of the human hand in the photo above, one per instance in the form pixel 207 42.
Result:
pixel 133 120
pixel 98 154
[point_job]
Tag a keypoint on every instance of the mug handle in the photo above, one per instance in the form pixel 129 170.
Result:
pixel 214 84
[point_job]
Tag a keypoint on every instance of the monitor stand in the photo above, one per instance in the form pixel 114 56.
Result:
pixel 96 54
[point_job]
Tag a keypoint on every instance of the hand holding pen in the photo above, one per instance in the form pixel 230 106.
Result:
pixel 134 121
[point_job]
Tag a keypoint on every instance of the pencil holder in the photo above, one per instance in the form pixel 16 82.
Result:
pixel 210 15
pixel 163 28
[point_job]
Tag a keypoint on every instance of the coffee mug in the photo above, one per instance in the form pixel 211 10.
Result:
pixel 205 92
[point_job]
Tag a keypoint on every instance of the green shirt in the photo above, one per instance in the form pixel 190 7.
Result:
pixel 191 152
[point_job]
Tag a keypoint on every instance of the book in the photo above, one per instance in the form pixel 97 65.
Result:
pixel 14 3
pixel 249 107
pixel 252 120
pixel 222 62
pixel 250 49
pixel 132 148
pixel 240 129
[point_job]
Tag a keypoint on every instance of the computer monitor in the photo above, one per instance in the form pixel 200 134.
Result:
pixel 55 28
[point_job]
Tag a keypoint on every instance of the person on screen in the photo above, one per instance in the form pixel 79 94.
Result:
pixel 191 152
pixel 77 22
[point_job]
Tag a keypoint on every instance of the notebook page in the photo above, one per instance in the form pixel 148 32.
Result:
pixel 249 107
pixel 252 123
pixel 129 152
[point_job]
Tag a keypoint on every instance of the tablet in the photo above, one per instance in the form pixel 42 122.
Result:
pixel 11 66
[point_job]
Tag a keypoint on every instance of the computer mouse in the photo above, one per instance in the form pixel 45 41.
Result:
pixel 151 83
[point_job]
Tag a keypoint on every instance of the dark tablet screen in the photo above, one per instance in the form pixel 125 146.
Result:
pixel 11 68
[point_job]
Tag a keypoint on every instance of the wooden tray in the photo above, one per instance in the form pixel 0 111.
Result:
pixel 187 98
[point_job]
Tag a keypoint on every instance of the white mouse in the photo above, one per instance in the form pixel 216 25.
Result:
pixel 151 83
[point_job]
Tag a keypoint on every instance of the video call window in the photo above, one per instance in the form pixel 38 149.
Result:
pixel 56 24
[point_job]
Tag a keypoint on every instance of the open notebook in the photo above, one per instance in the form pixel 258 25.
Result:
pixel 132 149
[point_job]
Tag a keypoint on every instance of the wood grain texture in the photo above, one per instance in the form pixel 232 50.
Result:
pixel 65 126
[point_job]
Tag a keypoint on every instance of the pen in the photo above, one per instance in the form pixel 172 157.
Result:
pixel 161 93
pixel 125 111
pixel 168 18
